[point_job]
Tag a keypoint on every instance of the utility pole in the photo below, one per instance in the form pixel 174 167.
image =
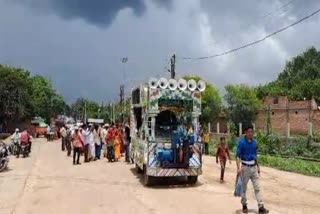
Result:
pixel 85 112
pixel 173 66
pixel 122 102
pixel 124 60
pixel 113 116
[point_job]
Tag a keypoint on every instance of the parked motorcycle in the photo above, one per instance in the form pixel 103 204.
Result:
pixel 4 160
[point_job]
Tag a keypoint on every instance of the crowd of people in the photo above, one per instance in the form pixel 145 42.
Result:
pixel 93 141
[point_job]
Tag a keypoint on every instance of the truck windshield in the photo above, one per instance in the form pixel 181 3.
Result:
pixel 167 122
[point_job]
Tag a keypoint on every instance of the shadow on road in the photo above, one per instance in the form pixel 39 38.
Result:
pixel 165 182
pixel 250 211
pixel 8 169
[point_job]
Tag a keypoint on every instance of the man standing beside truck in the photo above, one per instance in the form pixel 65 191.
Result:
pixel 249 168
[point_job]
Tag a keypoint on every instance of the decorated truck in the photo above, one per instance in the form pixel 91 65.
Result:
pixel 164 126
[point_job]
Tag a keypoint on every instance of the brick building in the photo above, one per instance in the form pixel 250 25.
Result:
pixel 297 116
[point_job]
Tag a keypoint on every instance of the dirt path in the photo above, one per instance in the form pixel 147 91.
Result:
pixel 47 182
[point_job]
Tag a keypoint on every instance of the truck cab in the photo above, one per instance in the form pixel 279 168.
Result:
pixel 164 127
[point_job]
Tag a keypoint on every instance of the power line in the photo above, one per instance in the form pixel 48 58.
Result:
pixel 255 42
pixel 278 9
pixel 268 16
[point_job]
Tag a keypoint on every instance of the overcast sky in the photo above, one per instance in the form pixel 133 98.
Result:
pixel 78 44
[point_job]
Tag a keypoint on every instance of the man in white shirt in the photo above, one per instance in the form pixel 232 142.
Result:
pixel 86 141
pixel 92 142
pixel 103 135
pixel 63 134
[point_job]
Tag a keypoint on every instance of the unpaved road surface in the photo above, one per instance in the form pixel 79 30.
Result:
pixel 47 182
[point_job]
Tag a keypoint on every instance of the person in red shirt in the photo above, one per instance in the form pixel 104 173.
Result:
pixel 25 139
pixel 77 146
pixel 222 155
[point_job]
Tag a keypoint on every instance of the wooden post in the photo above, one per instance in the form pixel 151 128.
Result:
pixel 209 127
pixel 218 127
pixel 310 132
pixel 240 129
pixel 288 130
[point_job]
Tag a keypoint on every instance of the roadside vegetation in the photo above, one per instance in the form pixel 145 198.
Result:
pixel 295 155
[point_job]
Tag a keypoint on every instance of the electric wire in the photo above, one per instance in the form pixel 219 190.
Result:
pixel 254 42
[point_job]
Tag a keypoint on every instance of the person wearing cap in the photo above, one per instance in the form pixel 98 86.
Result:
pixel 248 168
pixel 15 137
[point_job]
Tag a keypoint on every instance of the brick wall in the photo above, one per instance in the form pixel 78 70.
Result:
pixel 299 114
pixel 316 122
pixel 279 121
pixel 261 120
pixel 299 121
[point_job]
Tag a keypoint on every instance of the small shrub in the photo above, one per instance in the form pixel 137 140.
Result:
pixel 291 165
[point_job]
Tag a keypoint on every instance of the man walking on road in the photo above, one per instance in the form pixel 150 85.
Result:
pixel 63 133
pixel 77 145
pixel 249 169
pixel 68 141
pixel 85 132
pixel 127 142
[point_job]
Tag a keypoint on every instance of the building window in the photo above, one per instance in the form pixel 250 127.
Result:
pixel 276 100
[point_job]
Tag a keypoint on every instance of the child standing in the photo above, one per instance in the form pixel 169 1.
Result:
pixel 206 140
pixel 222 155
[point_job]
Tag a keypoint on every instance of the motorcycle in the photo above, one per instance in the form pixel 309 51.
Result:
pixel 4 160
pixel 24 150
pixel 14 147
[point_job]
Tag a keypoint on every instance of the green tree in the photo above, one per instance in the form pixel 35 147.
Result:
pixel 305 66
pixel 15 90
pixel 271 89
pixel 82 106
pixel 46 102
pixel 299 80
pixel 243 104
pixel 211 101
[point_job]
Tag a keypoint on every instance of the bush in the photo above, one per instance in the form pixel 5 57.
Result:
pixel 232 143
pixel 268 144
pixel 291 165
pixel 295 147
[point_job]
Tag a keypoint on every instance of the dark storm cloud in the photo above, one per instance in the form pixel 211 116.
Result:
pixel 97 12
pixel 42 39
pixel 236 23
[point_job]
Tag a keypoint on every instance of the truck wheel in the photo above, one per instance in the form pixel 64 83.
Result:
pixel 192 179
pixel 146 178
pixel 139 171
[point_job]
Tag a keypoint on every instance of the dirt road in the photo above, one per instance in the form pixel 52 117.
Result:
pixel 47 182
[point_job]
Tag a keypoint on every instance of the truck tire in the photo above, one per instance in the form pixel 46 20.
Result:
pixel 192 179
pixel 146 178
pixel 139 171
